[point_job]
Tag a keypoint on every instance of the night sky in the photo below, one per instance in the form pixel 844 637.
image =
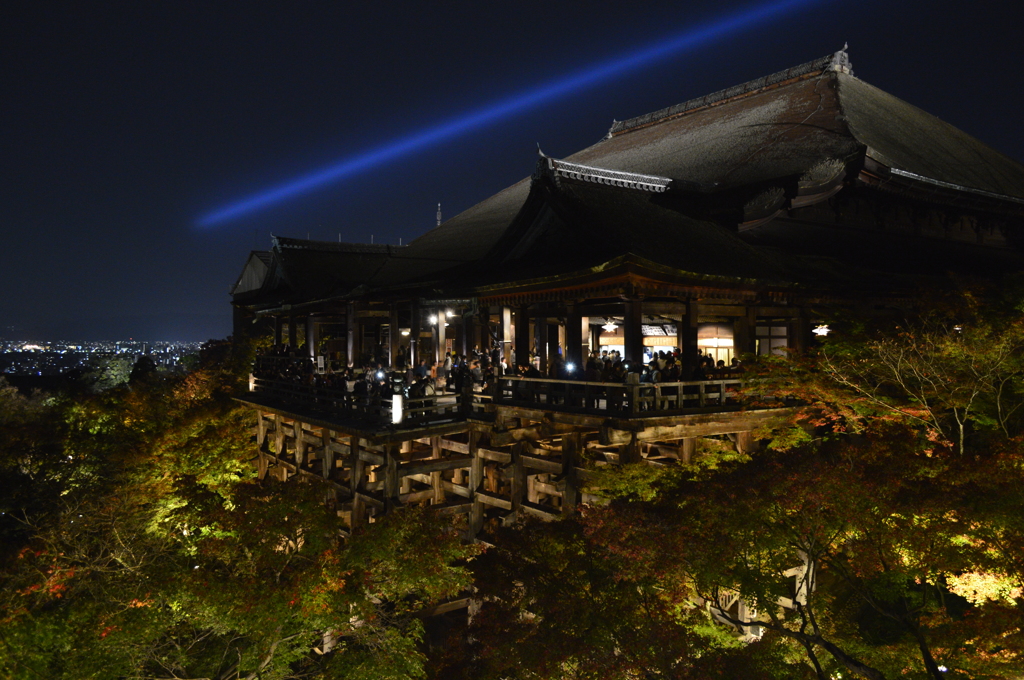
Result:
pixel 123 124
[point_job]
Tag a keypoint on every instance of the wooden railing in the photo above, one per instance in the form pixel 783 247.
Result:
pixel 302 388
pixel 374 410
pixel 623 400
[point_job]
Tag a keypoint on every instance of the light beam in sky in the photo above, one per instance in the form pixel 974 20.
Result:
pixel 503 108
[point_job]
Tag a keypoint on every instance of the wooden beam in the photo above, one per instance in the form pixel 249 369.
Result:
pixel 493 499
pixel 541 430
pixel 430 465
pixel 551 465
pixel 496 456
pixel 697 425
pixel 457 489
pixel 541 511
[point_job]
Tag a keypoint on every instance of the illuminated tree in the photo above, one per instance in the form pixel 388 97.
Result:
pixel 143 547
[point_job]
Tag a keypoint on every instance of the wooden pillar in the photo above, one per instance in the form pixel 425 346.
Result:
pixel 687 338
pixel 464 339
pixel 745 443
pixel 311 336
pixel 687 449
pixel 358 467
pixel 439 335
pixel 394 338
pixel 390 477
pixel 351 335
pixel 630 452
pixel 293 336
pixel 542 343
pixel 518 477
pixel 572 443
pixel 522 337
pixel 327 458
pixel 800 332
pixel 585 339
pixel 414 336
pixel 506 334
pixel 633 331
pixel 300 445
pixel 557 347
pixel 573 346
pixel 278 436
pixel 482 329
pixel 476 478
pixel 436 480
pixel 742 335
pixel 277 330
pixel 554 338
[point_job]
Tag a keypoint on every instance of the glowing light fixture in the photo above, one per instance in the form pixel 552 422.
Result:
pixel 609 326
pixel 822 330
pixel 432 319
pixel 396 409
pixel 503 108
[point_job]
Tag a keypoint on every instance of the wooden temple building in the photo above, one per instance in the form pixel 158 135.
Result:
pixel 734 223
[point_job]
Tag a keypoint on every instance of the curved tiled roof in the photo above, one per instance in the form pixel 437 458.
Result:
pixel 758 145
pixel 787 125
pixel 903 137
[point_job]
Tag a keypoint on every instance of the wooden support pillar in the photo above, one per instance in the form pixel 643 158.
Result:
pixel 436 480
pixel 542 344
pixel 311 336
pixel 595 338
pixel 300 445
pixel 327 459
pixel 573 346
pixel 476 479
pixel 353 336
pixel 518 477
pixel 687 449
pixel 277 330
pixel 557 348
pixel 293 336
pixel 745 443
pixel 482 329
pixel 554 338
pixel 506 334
pixel 522 349
pixel 261 429
pixel 586 346
pixel 800 332
pixel 414 336
pixel 572 444
pixel 390 477
pixel 633 331
pixel 629 452
pixel 394 337
pixel 464 337
pixel 278 436
pixel 358 468
pixel 687 338
pixel 439 335
pixel 743 334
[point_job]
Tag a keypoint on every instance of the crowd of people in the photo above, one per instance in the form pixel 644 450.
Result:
pixel 479 371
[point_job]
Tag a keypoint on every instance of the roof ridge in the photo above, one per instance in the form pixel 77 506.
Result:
pixel 282 242
pixel 837 61
pixel 617 178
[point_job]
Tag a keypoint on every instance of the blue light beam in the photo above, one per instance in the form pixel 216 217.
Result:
pixel 502 108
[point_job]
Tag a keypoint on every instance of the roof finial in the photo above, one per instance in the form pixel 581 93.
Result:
pixel 439 214
pixel 539 152
pixel 841 60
